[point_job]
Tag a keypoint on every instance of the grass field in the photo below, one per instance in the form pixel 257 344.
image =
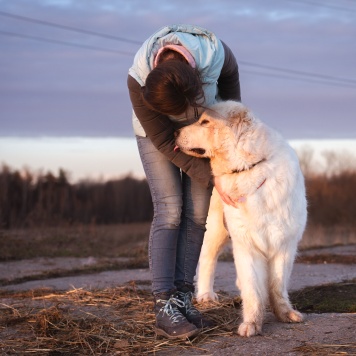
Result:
pixel 125 240
pixel 117 247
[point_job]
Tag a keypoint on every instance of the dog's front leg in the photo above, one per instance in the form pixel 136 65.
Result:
pixel 215 238
pixel 280 267
pixel 251 269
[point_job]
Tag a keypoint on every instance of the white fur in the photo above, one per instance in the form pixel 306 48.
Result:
pixel 266 227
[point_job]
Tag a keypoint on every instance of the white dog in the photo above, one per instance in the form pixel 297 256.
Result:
pixel 260 171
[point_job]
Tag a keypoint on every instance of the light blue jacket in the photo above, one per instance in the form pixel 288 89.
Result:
pixel 204 46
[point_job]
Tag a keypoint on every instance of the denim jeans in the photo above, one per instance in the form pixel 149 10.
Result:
pixel 180 211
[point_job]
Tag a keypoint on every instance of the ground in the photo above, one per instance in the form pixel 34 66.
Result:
pixel 110 312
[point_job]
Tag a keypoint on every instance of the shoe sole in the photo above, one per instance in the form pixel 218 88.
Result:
pixel 181 336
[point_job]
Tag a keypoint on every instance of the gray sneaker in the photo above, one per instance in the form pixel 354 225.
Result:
pixel 170 322
pixel 185 294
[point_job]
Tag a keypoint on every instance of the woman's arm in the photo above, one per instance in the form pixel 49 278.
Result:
pixel 229 82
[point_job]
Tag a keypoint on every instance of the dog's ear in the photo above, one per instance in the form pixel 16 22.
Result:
pixel 238 120
pixel 239 116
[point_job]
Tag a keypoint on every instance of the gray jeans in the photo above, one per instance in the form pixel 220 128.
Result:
pixel 180 211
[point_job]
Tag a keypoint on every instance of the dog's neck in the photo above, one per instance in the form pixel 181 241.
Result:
pixel 218 172
pixel 247 169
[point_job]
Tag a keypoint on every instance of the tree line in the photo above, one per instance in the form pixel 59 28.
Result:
pixel 332 199
pixel 51 200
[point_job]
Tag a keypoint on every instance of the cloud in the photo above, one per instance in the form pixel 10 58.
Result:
pixel 60 90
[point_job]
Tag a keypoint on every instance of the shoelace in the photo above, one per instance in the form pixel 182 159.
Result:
pixel 187 301
pixel 173 313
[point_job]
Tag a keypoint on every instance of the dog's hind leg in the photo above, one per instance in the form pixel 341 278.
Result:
pixel 280 268
pixel 215 238
pixel 251 269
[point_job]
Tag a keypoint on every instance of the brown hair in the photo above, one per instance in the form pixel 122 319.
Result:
pixel 173 86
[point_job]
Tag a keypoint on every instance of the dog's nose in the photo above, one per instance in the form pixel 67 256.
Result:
pixel 176 133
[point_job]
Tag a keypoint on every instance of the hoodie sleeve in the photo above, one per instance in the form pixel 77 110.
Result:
pixel 229 82
pixel 160 130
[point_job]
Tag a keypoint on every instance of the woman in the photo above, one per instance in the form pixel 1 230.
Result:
pixel 177 72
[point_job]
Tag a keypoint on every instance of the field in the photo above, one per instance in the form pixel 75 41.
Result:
pixel 122 246
pixel 121 240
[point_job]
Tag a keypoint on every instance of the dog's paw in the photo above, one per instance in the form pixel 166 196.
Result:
pixel 295 317
pixel 249 329
pixel 207 297
pixel 291 316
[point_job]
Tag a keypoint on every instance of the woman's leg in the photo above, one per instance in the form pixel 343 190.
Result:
pixel 196 201
pixel 164 180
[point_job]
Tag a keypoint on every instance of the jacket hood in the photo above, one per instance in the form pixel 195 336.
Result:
pixel 204 46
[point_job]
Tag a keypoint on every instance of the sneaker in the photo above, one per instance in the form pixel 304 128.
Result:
pixel 185 294
pixel 170 322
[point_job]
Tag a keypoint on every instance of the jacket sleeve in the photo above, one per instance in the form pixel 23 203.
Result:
pixel 160 130
pixel 228 81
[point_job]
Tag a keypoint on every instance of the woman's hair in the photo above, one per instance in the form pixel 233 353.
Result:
pixel 173 86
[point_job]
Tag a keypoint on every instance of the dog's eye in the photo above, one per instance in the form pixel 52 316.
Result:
pixel 204 122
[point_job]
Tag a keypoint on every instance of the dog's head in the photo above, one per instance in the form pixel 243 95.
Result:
pixel 217 132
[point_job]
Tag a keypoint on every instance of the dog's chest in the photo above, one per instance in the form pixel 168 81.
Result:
pixel 236 219
pixel 246 226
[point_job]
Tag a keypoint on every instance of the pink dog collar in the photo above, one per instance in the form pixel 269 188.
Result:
pixel 180 49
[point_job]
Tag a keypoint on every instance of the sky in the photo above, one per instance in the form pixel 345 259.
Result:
pixel 64 64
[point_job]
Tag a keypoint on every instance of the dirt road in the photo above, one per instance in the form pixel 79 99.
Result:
pixel 319 334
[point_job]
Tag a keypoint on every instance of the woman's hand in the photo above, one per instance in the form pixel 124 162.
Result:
pixel 225 196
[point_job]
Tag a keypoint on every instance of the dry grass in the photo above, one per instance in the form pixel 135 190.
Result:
pixel 115 321
pixel 327 258
pixel 316 236
pixel 121 240
pixel 112 321
pixel 327 349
